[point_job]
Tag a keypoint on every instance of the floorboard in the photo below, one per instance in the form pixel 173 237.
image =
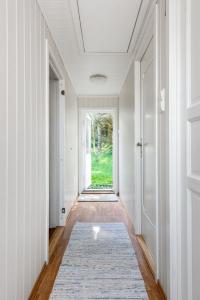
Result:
pixel 94 212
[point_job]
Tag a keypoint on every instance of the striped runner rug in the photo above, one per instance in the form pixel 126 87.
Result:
pixel 99 263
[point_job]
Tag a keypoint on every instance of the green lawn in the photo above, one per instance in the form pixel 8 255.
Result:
pixel 102 169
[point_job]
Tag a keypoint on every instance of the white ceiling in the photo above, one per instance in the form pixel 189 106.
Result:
pixel 95 36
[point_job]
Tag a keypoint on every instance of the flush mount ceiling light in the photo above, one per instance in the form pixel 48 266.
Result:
pixel 98 78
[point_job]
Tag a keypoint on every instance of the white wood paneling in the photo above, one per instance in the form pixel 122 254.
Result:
pixel 71 148
pixel 3 146
pixel 127 146
pixel 11 224
pixel 21 145
pixel 98 101
pixel 193 148
pixel 23 34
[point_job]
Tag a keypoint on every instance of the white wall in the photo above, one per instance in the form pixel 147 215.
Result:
pixel 71 148
pixel 127 145
pixel 22 145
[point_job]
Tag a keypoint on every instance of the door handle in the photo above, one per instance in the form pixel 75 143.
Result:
pixel 139 144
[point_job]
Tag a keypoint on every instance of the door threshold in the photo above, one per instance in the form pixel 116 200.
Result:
pixel 95 191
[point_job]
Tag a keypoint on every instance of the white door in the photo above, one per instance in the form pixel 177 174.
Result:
pixel 193 148
pixel 148 126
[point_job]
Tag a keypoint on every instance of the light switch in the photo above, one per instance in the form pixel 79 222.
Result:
pixel 162 100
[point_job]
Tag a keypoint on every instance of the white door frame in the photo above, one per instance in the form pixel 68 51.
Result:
pixel 82 113
pixel 174 32
pixel 152 23
pixel 51 61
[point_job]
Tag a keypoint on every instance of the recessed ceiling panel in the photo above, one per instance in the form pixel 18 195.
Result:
pixel 107 25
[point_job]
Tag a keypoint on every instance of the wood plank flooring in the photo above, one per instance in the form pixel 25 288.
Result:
pixel 94 212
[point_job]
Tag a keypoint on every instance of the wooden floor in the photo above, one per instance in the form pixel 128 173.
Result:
pixel 93 212
pixel 51 232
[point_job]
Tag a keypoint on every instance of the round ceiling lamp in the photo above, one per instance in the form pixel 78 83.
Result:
pixel 98 78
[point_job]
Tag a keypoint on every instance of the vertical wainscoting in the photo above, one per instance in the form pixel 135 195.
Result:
pixel 98 102
pixel 127 145
pixel 23 34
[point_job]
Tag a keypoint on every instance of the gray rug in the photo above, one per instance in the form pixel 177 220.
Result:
pixel 99 263
pixel 98 198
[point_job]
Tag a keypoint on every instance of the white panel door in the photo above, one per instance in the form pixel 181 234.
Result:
pixel 148 124
pixel 193 147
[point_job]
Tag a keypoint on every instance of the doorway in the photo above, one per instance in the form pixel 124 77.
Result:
pixel 53 151
pixel 148 124
pixel 99 146
pixel 56 151
pixel 98 151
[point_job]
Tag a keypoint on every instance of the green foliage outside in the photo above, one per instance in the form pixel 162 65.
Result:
pixel 101 151
pixel 102 169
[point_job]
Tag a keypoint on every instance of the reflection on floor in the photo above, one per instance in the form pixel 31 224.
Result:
pixel 101 212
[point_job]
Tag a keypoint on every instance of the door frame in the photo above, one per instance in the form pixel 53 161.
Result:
pixel 51 61
pixel 175 13
pixel 114 112
pixel 150 26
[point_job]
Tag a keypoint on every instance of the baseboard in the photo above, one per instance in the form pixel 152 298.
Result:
pixel 147 254
pixel 68 210
pixel 142 245
pixel 37 283
pixel 161 289
pixel 54 240
pixel 97 192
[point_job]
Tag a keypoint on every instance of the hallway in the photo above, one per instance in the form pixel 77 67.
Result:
pixel 98 212
pixel 100 96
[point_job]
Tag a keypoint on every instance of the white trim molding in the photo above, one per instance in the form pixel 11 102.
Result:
pixel 138 187
pixel 47 150
pixel 51 61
